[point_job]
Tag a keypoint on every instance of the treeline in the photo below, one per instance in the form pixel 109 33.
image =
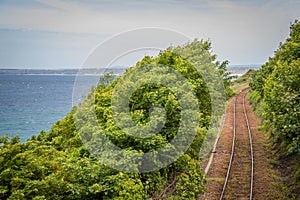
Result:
pixel 275 92
pixel 63 163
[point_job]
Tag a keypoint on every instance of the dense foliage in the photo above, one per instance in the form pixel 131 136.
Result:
pixel 57 164
pixel 276 93
pixel 245 78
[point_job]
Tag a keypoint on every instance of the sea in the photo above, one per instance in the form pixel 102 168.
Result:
pixel 32 103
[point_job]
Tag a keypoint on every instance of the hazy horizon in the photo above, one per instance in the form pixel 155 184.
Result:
pixel 114 67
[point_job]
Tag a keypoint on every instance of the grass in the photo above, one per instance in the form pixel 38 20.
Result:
pixel 238 86
pixel 215 179
pixel 283 185
pixel 242 81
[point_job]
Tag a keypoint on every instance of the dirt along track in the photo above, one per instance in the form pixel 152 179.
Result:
pixel 238 181
pixel 239 176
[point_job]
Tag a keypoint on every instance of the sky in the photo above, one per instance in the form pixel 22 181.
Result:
pixel 51 34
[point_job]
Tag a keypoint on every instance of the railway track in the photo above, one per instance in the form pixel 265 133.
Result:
pixel 238 183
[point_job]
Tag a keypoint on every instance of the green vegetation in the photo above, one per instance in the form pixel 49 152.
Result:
pixel 58 164
pixel 276 97
pixel 244 80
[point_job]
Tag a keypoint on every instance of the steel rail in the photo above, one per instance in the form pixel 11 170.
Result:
pixel 251 147
pixel 233 147
pixel 232 150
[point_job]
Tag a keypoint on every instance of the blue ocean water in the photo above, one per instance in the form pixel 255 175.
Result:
pixel 31 103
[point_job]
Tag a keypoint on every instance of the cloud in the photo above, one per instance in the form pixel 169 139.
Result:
pixel 109 17
pixel 241 31
pixel 65 6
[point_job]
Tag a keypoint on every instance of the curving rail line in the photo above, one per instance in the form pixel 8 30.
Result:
pixel 244 91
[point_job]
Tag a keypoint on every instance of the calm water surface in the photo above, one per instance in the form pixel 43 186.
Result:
pixel 31 103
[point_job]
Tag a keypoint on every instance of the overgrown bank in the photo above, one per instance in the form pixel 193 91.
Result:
pixel 57 165
pixel 275 94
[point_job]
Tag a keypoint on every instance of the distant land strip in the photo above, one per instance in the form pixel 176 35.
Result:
pixel 85 71
pixel 234 69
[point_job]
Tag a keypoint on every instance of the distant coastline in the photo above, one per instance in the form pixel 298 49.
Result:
pixel 234 69
pixel 87 71
pixel 239 70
